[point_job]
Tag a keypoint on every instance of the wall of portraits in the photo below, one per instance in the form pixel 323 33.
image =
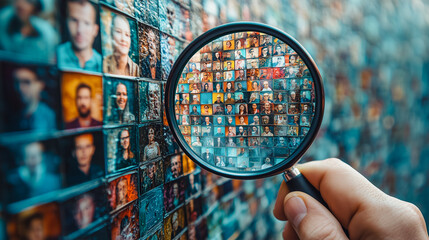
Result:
pixel 82 124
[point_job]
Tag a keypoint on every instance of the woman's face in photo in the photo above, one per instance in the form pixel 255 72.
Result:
pixel 121 35
pixel 151 135
pixel 125 139
pixel 121 96
pixel 24 9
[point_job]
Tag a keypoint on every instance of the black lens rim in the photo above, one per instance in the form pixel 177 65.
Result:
pixel 208 37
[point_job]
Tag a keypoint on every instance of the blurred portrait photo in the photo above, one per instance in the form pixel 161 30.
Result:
pixel 150 140
pixel 84 158
pixel 119 41
pixel 121 149
pixel 151 175
pixel 34 170
pixel 173 168
pixel 26 28
pixel 151 210
pixel 150 56
pixel 125 224
pixel 120 101
pixel 123 190
pixel 82 100
pixel 150 101
pixel 79 52
pixel 33 90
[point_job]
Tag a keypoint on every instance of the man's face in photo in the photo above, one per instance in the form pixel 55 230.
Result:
pixel 175 166
pixel 84 211
pixel 82 25
pixel 121 96
pixel 28 85
pixel 83 102
pixel 84 149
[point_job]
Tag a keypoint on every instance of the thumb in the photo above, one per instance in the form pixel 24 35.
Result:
pixel 310 219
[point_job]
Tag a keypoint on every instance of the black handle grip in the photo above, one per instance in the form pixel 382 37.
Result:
pixel 300 183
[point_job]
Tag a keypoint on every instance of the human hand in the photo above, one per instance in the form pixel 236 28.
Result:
pixel 355 204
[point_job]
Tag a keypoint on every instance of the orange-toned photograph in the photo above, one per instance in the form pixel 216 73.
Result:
pixel 42 221
pixel 125 225
pixel 82 100
pixel 123 190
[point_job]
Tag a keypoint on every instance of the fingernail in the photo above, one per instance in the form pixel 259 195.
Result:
pixel 295 210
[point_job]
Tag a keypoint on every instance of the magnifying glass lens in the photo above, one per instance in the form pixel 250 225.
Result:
pixel 245 102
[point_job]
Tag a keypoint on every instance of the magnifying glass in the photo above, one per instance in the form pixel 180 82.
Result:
pixel 245 101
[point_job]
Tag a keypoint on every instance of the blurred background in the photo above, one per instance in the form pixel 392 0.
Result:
pixel 374 61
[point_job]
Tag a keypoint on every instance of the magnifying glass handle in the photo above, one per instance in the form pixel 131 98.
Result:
pixel 295 181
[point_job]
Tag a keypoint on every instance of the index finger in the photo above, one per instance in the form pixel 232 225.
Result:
pixel 344 189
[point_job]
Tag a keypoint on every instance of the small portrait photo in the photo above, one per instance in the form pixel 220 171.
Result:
pixel 150 142
pixel 241 109
pixel 206 121
pixel 173 168
pixel 207 141
pixel 194 207
pixel 254 131
pixel 147 12
pixel 218 143
pixel 218 109
pixel 266 141
pixel 219 121
pixel 266 97
pixel 303 131
pixel 230 120
pixel 194 88
pixel 228 45
pixel 294 142
pixel 195 120
pixel 84 157
pixel 292 131
pixel 185 119
pixel 183 88
pixel 206 66
pixel 207 48
pixel 149 51
pixel 206 57
pixel 280 120
pixel 279 73
pixel 293 120
pixel 241 35
pixel 252 53
pixel 306 108
pixel 175 223
pixel 266 73
pixel 195 110
pixel 169 18
pixel 230 131
pixel 28 30
pixel 266 86
pixel 217 76
pixel 278 61
pixel 150 101
pixel 294 96
pixel 194 98
pixel 240 64
pixel 253 97
pixel 280 130
pixel 229 98
pixel 240 75
pixel 240 54
pixel 253 141
pixel 228 76
pixel 306 84
pixel 196 142
pixel 121 148
pixel 33 96
pixel 265 62
pixel 241 132
pixel 120 101
pixel 228 65
pixel 252 63
pixel 125 224
pixel 240 43
pixel 174 194
pixel 81 48
pixel 279 49
pixel 252 74
pixel 83 210
pixel 228 55
pixel 265 51
pixel 32 169
pixel 219 131
pixel 305 120
pixel 253 86
pixel 280 84
pixel 293 84
pixel 207 109
pixel 290 72
pixel 241 120
pixel 207 87
pixel 151 210
pixel 218 98
pixel 122 190
pixel 305 96
pixel 253 108
pixel 82 100
pixel 293 108
pixel 267 119
pixel 196 131
pixel 229 109
pixel 228 87
pixel 151 175
pixel 217 56
pixel 42 222
pixel 280 142
pixel 119 40
pixel 242 163
pixel 193 184
pixel 206 76
pixel 280 108
pixel 217 46
pixel 254 120
pixel 170 49
pixel 252 42
pixel 207 155
pixel 266 40
pixel 217 66
pixel 293 60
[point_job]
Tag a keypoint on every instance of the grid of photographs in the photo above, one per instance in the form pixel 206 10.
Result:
pixel 242 95
pixel 83 127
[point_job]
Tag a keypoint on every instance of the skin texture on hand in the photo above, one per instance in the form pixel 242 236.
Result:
pixel 355 204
